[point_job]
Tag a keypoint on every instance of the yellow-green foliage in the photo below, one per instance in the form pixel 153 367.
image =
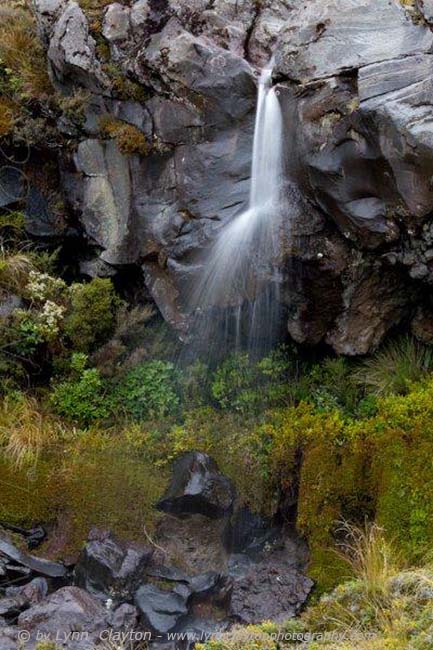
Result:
pixel 24 430
pixel 380 466
pixel 129 139
pixel 14 270
pixel 7 116
pixel 81 479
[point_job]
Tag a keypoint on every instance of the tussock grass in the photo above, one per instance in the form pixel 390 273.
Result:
pixel 21 52
pixel 15 267
pixel 395 367
pixel 25 430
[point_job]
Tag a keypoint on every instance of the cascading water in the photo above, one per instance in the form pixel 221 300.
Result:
pixel 235 303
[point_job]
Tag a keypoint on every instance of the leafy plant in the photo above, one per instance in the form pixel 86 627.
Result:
pixel 82 397
pixel 149 390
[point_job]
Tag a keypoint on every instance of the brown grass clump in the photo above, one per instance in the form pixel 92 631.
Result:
pixel 14 271
pixel 21 53
pixel 129 139
pixel 7 116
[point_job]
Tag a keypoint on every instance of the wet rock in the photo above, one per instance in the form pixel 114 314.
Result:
pixel 354 82
pixel 107 567
pixel 249 532
pixel 12 185
pixel 40 219
pixel 198 487
pixel 67 610
pixel 35 564
pixel 33 592
pixel 270 590
pixel 160 611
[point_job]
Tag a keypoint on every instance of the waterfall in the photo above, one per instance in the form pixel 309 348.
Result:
pixel 235 302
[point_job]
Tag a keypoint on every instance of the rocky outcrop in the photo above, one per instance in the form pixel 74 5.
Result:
pixel 354 80
pixel 202 575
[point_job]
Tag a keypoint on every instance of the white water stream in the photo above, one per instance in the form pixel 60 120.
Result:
pixel 240 270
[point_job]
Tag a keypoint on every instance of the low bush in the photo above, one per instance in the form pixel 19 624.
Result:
pixel 246 386
pixel 82 398
pixel 149 390
pixel 91 318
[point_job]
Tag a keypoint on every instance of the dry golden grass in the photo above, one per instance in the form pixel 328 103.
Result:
pixel 14 270
pixel 25 430
pixel 370 556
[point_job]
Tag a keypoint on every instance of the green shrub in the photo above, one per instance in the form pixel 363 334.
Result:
pixel 195 385
pixel 81 398
pixel 243 385
pixel 92 316
pixel 331 385
pixel 148 390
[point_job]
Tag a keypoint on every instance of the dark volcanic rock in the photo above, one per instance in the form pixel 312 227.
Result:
pixel 67 610
pixel 355 86
pixel 249 532
pixel 160 610
pixel 270 590
pixel 107 567
pixel 35 564
pixel 33 592
pixel 12 185
pixel 198 487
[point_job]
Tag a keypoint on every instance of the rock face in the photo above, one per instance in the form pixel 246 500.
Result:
pixel 355 86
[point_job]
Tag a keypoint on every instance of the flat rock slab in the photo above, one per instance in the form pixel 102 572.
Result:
pixel 36 564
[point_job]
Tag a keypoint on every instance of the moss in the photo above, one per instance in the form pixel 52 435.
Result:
pixel 93 479
pixel 129 139
pixel 123 87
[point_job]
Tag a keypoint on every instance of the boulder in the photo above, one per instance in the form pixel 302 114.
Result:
pixel 161 611
pixel 249 532
pixel 67 610
pixel 198 487
pixel 12 185
pixel 106 567
pixel 32 593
